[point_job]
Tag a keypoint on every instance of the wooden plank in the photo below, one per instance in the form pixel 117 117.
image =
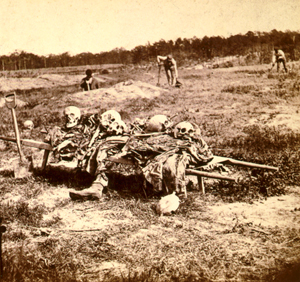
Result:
pixel 208 174
pixel 45 159
pixel 36 144
pixel 30 143
pixel 201 184
pixel 242 163
pixel 148 134
pixel 216 159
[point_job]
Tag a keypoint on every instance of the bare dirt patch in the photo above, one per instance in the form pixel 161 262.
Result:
pixel 206 238
pixel 277 211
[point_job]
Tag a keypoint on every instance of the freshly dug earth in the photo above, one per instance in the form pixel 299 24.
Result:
pixel 119 92
pixel 122 231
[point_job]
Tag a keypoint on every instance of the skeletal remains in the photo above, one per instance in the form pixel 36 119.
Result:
pixel 167 204
pixel 110 123
pixel 113 124
pixel 72 115
pixel 158 123
pixel 186 130
pixel 108 117
pixel 117 127
pixel 28 125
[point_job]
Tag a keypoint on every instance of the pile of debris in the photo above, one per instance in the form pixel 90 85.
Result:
pixel 98 144
pixel 160 149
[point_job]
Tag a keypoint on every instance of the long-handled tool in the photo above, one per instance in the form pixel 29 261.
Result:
pixel 159 68
pixel 178 84
pixel 273 64
pixel 22 169
pixel 88 84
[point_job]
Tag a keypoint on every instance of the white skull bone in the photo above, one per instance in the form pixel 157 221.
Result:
pixel 72 115
pixel 109 117
pixel 168 204
pixel 28 125
pixel 158 123
pixel 184 130
pixel 117 127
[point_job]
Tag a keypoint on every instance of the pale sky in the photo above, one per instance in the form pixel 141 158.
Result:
pixel 46 27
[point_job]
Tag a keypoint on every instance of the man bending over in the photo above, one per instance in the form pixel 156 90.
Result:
pixel 278 57
pixel 170 66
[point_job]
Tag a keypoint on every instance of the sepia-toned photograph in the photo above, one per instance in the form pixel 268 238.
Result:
pixel 150 141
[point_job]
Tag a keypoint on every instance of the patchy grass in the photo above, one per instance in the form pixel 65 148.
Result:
pixel 240 89
pixel 225 235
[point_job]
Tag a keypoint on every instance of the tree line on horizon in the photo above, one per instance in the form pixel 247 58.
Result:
pixel 184 50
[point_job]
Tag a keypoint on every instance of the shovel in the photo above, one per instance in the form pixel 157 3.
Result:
pixel 159 67
pixel 178 83
pixel 21 169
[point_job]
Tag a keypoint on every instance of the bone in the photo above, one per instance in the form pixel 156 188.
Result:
pixel 72 115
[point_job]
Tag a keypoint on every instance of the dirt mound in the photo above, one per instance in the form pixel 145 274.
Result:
pixel 43 81
pixel 60 79
pixel 120 91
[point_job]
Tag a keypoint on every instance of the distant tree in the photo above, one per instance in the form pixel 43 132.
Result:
pixel 206 47
pixel 163 47
pixel 253 42
pixel 139 54
pixel 196 46
pixel 52 61
pixel 187 43
pixel 64 59
pixel 218 46
pixel 125 56
pixel 179 43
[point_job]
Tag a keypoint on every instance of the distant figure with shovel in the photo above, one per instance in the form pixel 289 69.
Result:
pixel 89 82
pixel 170 66
pixel 278 57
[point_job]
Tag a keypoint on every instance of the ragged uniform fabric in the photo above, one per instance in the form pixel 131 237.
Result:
pixel 173 173
pixel 162 158
pixel 165 170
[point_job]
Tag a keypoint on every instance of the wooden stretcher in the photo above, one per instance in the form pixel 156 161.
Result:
pixel 200 174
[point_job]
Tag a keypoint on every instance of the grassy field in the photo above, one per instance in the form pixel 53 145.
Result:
pixel 243 231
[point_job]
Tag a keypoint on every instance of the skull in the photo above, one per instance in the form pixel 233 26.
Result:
pixel 72 115
pixel 139 122
pixel 184 130
pixel 168 204
pixel 109 117
pixel 158 123
pixel 117 127
pixel 28 125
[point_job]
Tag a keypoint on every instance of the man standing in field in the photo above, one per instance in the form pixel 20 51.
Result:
pixel 89 82
pixel 170 66
pixel 279 57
